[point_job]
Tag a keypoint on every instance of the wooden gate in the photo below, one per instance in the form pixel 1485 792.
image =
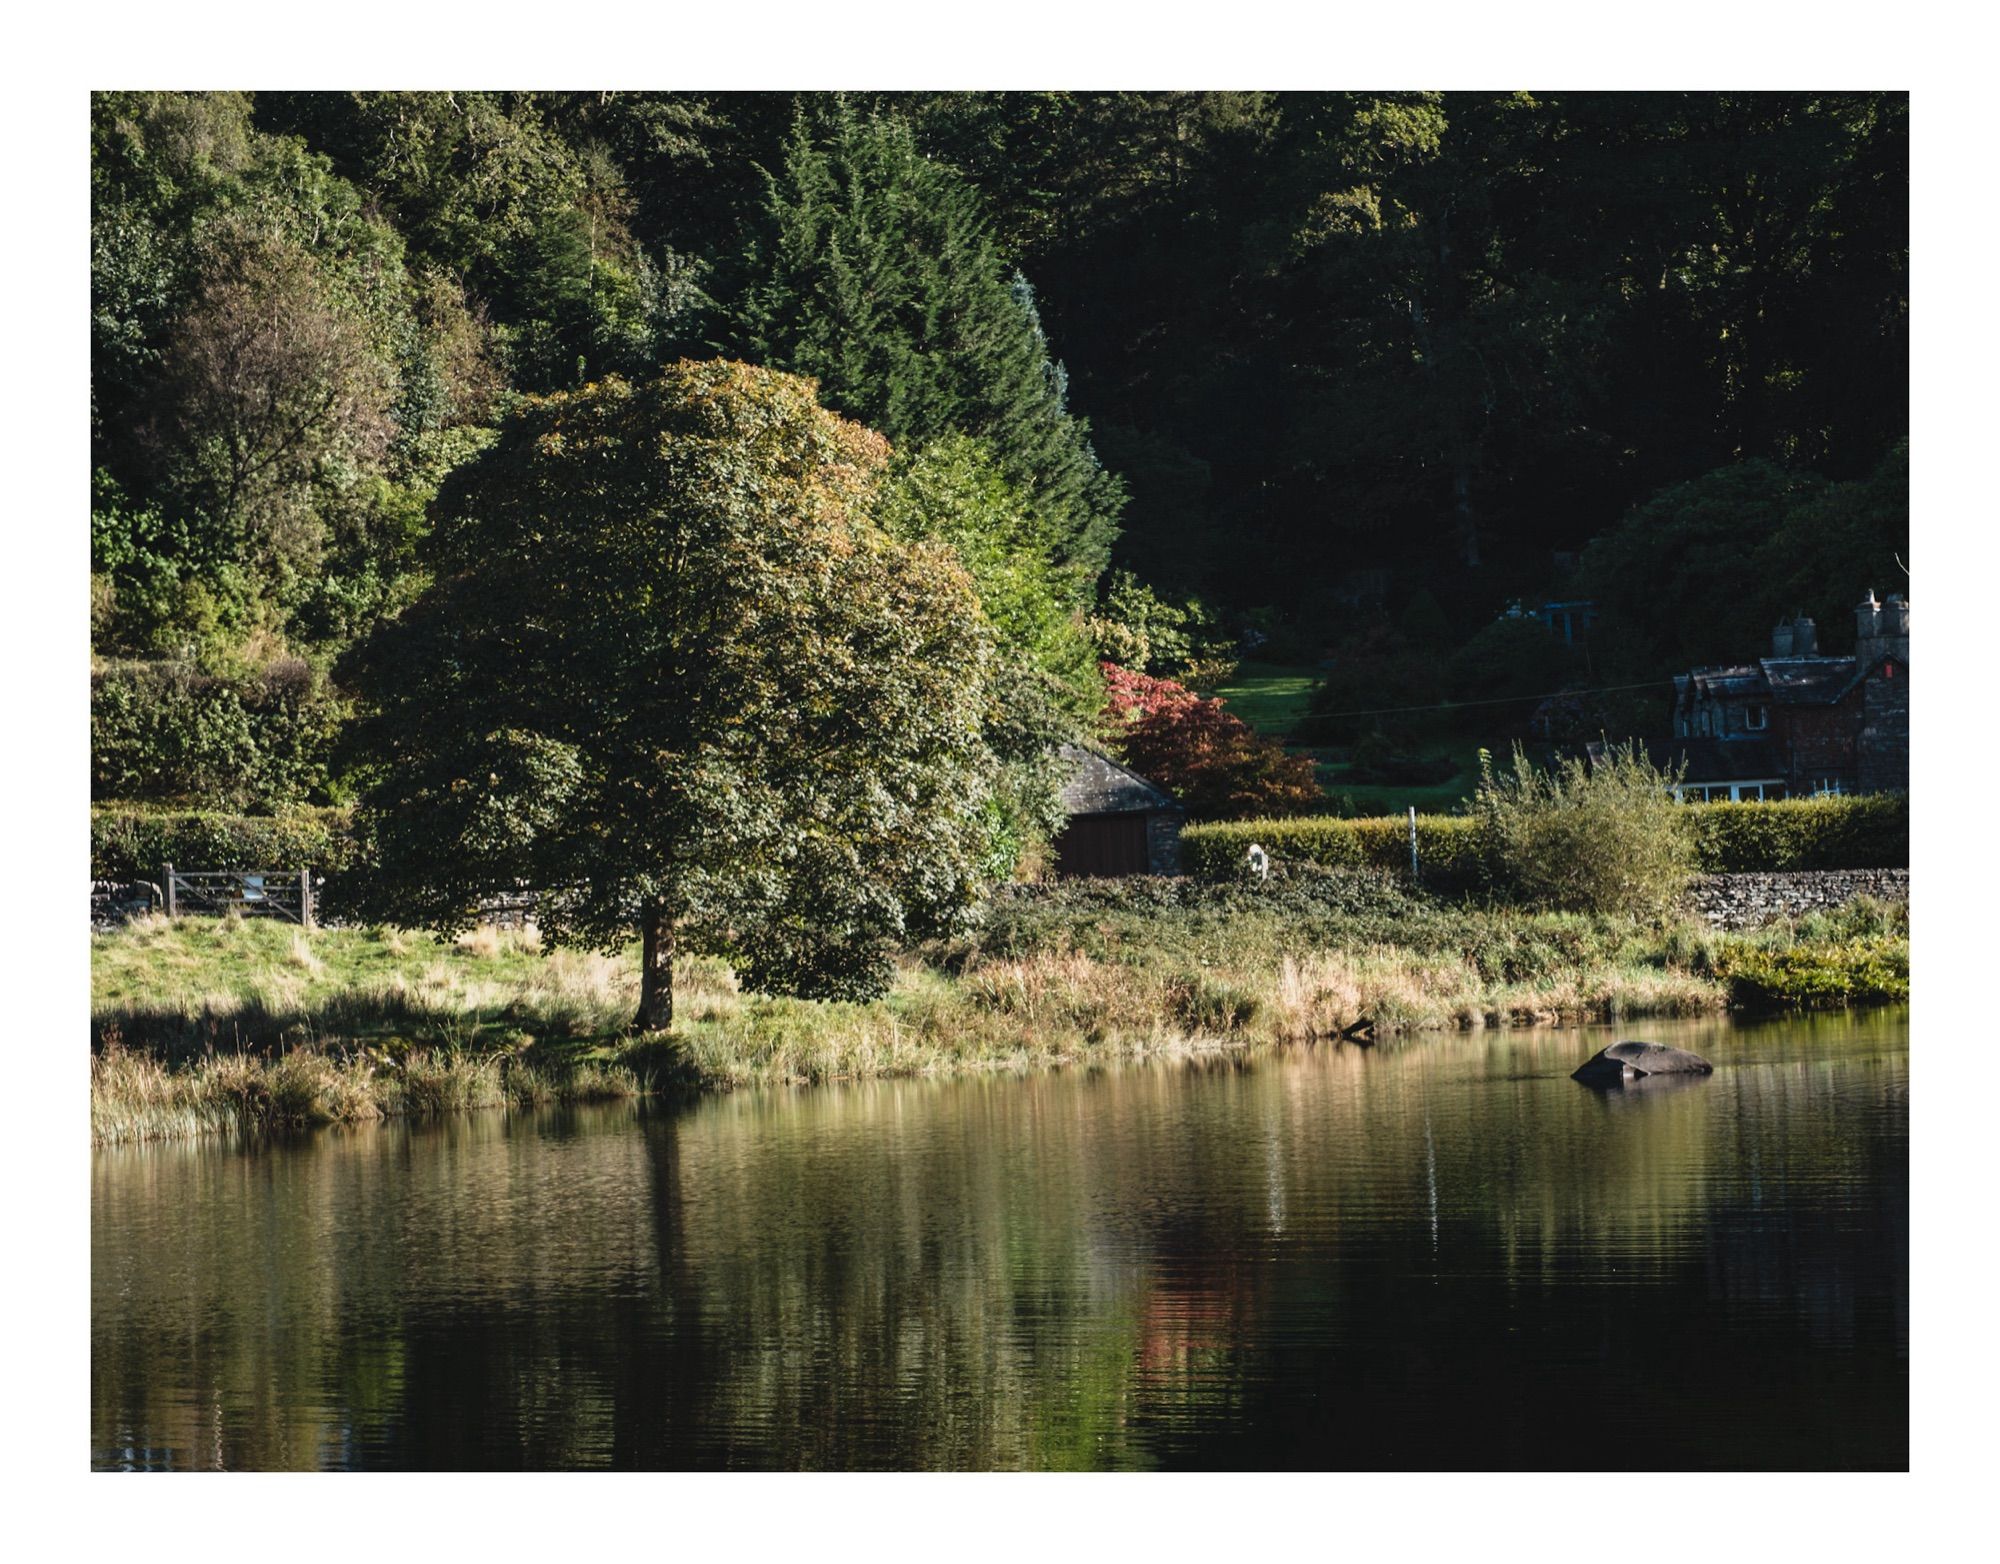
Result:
pixel 252 893
pixel 1102 845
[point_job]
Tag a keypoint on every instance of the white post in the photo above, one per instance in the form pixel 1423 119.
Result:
pixel 1413 842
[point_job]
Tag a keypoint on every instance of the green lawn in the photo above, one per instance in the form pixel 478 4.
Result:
pixel 1271 697
pixel 1440 798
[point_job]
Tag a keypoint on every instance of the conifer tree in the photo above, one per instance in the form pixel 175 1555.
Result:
pixel 877 273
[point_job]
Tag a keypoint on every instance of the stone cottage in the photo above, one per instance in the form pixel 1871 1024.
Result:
pixel 1119 823
pixel 1797 723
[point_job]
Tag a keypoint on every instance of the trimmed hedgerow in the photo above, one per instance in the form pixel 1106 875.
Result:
pixel 1447 848
pixel 1867 831
pixel 1860 832
pixel 129 843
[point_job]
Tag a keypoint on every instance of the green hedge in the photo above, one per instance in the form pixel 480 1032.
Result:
pixel 1865 832
pixel 1446 847
pixel 129 843
pixel 1871 832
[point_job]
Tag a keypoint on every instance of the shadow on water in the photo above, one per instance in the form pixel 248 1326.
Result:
pixel 1637 1089
pixel 1440 1254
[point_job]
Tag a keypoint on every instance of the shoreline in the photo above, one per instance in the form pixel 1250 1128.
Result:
pixel 221 1026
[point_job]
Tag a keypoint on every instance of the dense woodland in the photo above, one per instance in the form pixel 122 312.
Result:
pixel 1333 378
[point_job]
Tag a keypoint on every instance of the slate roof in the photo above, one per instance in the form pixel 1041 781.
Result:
pixel 1789 681
pixel 1100 786
pixel 1745 679
pixel 1810 681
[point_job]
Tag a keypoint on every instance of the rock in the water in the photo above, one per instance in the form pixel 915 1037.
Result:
pixel 1635 1061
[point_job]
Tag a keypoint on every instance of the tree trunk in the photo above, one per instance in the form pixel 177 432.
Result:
pixel 656 970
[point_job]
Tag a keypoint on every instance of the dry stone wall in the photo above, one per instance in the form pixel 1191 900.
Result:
pixel 1742 901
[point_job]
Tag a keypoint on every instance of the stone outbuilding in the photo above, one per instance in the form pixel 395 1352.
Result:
pixel 1119 823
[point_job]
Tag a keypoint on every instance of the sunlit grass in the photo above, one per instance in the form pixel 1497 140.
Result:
pixel 218 1025
pixel 1271 697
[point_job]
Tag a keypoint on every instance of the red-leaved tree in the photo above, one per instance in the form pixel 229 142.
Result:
pixel 1216 764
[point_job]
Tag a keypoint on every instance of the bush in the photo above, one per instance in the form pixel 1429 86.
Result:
pixel 1217 765
pixel 1382 760
pixel 132 844
pixel 167 732
pixel 1604 837
pixel 1860 971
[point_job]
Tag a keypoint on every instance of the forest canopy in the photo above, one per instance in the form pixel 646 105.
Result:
pixel 1167 370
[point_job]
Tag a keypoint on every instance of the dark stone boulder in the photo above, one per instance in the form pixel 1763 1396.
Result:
pixel 1624 1063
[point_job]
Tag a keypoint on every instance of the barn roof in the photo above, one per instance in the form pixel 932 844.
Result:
pixel 1100 786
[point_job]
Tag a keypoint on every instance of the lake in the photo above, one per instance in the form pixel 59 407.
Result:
pixel 1438 1253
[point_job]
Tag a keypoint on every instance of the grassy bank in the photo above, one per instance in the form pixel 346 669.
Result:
pixel 219 1025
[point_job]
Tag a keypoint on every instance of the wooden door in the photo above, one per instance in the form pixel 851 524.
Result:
pixel 1103 845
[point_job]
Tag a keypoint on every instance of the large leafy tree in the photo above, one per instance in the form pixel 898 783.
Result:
pixel 671 674
pixel 877 273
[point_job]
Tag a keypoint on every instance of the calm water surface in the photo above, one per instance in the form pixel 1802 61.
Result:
pixel 1437 1254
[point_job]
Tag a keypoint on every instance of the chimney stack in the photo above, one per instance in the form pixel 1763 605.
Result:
pixel 1805 637
pixel 1881 630
pixel 1781 639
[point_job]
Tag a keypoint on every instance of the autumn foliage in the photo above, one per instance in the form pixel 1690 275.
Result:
pixel 1214 762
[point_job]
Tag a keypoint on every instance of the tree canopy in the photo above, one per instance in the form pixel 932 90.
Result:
pixel 1337 376
pixel 670 672
pixel 876 272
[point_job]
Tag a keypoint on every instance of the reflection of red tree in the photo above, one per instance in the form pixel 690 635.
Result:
pixel 1189 1320
pixel 1216 764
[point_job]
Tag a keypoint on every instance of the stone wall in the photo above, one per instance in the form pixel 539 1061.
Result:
pixel 1883 750
pixel 113 902
pixel 1163 841
pixel 1741 901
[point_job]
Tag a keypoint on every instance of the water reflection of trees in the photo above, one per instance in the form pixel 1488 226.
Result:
pixel 1436 1254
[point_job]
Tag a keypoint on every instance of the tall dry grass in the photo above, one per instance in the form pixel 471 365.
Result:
pixel 206 1026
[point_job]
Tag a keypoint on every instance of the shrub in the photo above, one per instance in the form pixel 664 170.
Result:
pixel 1604 837
pixel 1381 759
pixel 132 843
pixel 1216 764
pixel 1864 970
pixel 166 731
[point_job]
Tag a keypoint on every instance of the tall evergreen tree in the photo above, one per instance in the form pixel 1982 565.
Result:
pixel 877 272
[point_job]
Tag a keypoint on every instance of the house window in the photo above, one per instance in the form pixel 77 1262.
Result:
pixel 1756 718
pixel 1826 786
